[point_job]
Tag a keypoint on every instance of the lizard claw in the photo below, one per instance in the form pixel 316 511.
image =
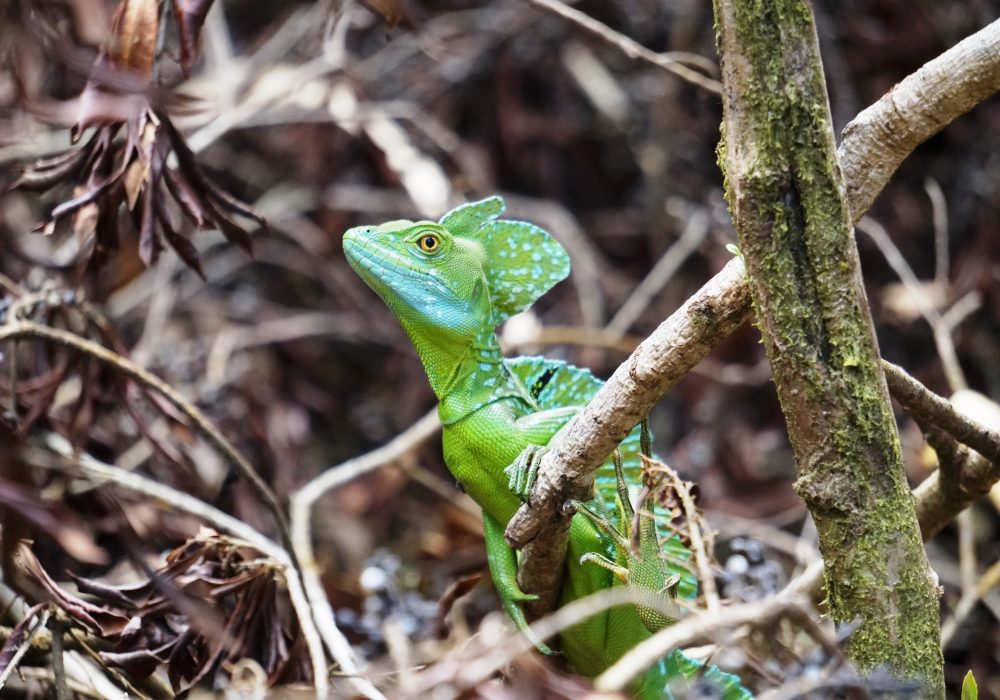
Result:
pixel 503 567
pixel 523 471
pixel 512 597
pixel 511 601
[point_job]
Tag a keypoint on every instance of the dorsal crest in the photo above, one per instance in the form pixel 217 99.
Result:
pixel 522 261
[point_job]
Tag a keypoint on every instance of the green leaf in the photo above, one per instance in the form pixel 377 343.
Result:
pixel 970 691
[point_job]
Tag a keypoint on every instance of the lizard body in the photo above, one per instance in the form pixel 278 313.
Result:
pixel 450 284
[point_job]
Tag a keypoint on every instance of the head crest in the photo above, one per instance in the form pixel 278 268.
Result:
pixel 522 261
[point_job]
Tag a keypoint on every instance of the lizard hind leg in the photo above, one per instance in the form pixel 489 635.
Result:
pixel 636 564
pixel 503 567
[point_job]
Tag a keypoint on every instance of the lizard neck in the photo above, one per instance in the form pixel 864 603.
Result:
pixel 478 378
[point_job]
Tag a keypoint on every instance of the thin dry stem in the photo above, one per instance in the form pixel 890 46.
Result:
pixel 300 508
pixel 673 61
pixel 719 625
pixel 30 329
pixel 702 559
pixel 983 585
pixel 39 623
pixel 223 521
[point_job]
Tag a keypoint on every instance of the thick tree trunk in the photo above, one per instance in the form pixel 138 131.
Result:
pixel 787 197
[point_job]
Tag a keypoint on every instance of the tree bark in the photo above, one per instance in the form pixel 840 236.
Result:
pixel 788 200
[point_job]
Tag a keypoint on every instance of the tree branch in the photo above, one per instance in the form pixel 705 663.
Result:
pixel 918 107
pixel 962 477
pixel 928 407
pixel 616 406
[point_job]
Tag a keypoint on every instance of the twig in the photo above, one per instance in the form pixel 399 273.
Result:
pixel 673 61
pixel 962 478
pixel 78 686
pixel 701 555
pixel 300 508
pixel 939 212
pixel 942 332
pixel 706 625
pixel 278 330
pixel 694 233
pixel 961 309
pixel 58 628
pixel 919 400
pixel 30 329
pixel 156 686
pixel 470 672
pixel 39 623
pixel 989 580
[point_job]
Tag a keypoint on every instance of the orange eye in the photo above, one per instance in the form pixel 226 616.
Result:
pixel 429 243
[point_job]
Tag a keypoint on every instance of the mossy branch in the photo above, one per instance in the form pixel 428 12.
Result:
pixel 786 194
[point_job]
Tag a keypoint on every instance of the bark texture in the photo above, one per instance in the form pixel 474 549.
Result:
pixel 788 201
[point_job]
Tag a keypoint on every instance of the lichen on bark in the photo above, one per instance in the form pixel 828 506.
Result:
pixel 787 197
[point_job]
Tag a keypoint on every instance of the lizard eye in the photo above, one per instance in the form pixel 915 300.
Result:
pixel 429 243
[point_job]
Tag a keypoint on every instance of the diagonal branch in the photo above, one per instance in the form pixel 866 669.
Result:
pixel 947 87
pixel 929 407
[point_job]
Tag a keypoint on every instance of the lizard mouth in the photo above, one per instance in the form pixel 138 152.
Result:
pixel 386 271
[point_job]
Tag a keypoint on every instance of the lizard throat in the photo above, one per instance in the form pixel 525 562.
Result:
pixel 480 378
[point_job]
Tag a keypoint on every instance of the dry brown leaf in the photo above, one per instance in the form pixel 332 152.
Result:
pixel 190 15
pixel 137 174
pixel 134 30
pixel 84 219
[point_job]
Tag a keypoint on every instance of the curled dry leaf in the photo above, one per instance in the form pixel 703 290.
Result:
pixel 121 178
pixel 98 619
pixel 211 604
pixel 665 486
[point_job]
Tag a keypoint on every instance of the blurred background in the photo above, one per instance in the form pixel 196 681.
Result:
pixel 322 116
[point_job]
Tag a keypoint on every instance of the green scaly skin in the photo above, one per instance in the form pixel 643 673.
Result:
pixel 450 284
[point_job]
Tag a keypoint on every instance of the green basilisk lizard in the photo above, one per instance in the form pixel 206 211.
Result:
pixel 450 284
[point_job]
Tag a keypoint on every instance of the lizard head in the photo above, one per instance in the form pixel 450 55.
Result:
pixel 469 271
pixel 424 274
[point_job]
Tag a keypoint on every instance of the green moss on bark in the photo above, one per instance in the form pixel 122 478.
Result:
pixel 787 197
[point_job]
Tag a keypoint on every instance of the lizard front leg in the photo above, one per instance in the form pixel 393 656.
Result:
pixel 538 429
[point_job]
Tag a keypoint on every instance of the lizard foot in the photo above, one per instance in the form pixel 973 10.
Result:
pixel 523 471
